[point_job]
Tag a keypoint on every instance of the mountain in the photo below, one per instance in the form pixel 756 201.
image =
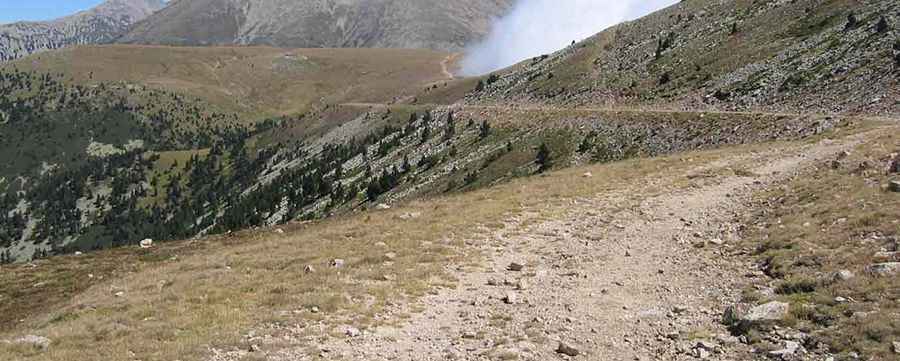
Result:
pixel 433 24
pixel 719 180
pixel 101 24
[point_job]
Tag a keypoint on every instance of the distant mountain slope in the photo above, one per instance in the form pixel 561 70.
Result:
pixel 102 24
pixel 434 24
pixel 805 55
pixel 255 82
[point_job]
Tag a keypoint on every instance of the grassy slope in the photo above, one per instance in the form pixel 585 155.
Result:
pixel 814 226
pixel 255 82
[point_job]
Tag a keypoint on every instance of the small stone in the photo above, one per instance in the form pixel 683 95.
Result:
pixel 314 309
pixel 567 350
pixel 840 299
pixel 717 241
pixel 388 278
pixel 352 332
pixel 147 243
pixel 337 263
pixel 390 256
pixel 410 215
pixel 120 294
pixel 842 275
pixel 469 335
pixel 587 175
pixel 516 267
pixel 254 348
pixel 894 186
pixel 279 231
pixel 382 207
pixel 790 348
pixel 896 345
pixel 309 269
pixel 521 285
pixel 510 298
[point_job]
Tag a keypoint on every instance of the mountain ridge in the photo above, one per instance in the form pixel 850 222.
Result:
pixel 431 24
pixel 101 24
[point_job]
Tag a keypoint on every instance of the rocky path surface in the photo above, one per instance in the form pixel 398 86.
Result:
pixel 639 273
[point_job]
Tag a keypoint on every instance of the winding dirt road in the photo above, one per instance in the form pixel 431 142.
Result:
pixel 616 276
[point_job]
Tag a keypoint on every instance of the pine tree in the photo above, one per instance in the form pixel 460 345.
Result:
pixel 485 129
pixel 451 126
pixel 544 158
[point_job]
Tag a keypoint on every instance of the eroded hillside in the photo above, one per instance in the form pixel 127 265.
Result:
pixel 780 56
pixel 427 24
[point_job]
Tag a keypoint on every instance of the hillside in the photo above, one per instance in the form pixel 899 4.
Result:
pixel 806 56
pixel 99 25
pixel 255 82
pixel 429 24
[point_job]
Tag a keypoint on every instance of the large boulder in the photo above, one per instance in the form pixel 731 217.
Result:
pixel 742 318
pixel 769 312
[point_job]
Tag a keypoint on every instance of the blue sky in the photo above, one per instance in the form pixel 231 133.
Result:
pixel 15 10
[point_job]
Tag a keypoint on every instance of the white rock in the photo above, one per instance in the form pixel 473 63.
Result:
pixel 587 174
pixel 337 263
pixel 842 275
pixel 382 207
pixel 352 332
pixel 790 348
pixel 39 342
pixel 772 311
pixel 147 243
pixel 510 298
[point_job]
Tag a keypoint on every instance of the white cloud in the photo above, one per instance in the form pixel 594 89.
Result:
pixel 537 27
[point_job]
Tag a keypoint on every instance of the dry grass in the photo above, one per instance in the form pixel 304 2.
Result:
pixel 181 298
pixel 827 221
pixel 255 82
pixel 197 294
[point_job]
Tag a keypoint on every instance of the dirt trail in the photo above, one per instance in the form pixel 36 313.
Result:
pixel 617 276
pixel 445 65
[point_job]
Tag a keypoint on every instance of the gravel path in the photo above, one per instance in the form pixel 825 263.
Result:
pixel 616 277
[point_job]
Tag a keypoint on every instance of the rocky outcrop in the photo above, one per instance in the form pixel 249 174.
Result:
pixel 99 25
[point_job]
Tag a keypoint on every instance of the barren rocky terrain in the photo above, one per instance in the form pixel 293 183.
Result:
pixel 428 24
